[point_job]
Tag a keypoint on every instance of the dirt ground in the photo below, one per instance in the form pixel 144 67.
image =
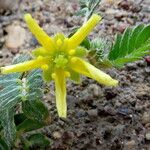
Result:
pixel 98 117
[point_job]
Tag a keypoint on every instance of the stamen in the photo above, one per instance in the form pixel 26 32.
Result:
pixel 72 52
pixel 40 58
pixel 59 42
pixel 73 59
pixel 67 73
pixel 44 67
pixel 53 75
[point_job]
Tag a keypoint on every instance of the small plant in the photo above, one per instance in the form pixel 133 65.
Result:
pixel 59 58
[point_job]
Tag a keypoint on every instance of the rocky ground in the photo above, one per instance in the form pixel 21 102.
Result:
pixel 98 117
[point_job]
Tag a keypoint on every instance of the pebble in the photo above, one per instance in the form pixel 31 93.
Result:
pixel 57 135
pixel 146 118
pixel 96 89
pixel 15 38
pixel 147 125
pixel 93 113
pixel 147 136
pixel 8 4
pixel 130 145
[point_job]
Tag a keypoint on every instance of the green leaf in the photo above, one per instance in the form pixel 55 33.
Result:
pixel 37 141
pixel 36 110
pixel 9 128
pixel 34 85
pixel 9 97
pixel 85 43
pixel 132 45
pixel 135 32
pixel 28 125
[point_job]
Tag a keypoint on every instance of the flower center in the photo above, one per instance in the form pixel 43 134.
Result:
pixel 60 61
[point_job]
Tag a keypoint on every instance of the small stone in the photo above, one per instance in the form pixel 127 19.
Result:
pixel 15 38
pixel 57 135
pixel 147 125
pixel 95 89
pixel 130 145
pixel 8 4
pixel 146 118
pixel 121 27
pixel 93 113
pixel 147 136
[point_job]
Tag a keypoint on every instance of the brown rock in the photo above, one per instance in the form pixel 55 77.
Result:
pixel 57 135
pixel 147 136
pixel 15 38
pixel 131 145
pixel 146 118
pixel 8 4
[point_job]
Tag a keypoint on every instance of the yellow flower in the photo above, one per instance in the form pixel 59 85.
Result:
pixel 60 58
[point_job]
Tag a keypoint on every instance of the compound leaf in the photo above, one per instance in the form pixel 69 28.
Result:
pixel 16 88
pixel 132 45
pixel 9 128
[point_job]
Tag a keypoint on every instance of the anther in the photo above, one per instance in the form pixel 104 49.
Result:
pixel 59 42
pixel 44 67
pixel 72 52
pixel 39 58
pixel 67 74
pixel 73 59
pixel 53 75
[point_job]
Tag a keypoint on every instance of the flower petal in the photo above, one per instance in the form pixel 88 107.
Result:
pixel 22 67
pixel 80 35
pixel 60 87
pixel 38 32
pixel 90 71
pixel 40 51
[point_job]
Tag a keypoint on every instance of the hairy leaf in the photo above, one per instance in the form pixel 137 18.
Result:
pixel 16 88
pixel 37 140
pixel 132 45
pixel 11 87
pixel 9 129
pixel 98 53
pixel 28 125
pixel 36 110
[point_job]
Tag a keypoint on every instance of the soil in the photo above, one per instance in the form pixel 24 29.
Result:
pixel 98 117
